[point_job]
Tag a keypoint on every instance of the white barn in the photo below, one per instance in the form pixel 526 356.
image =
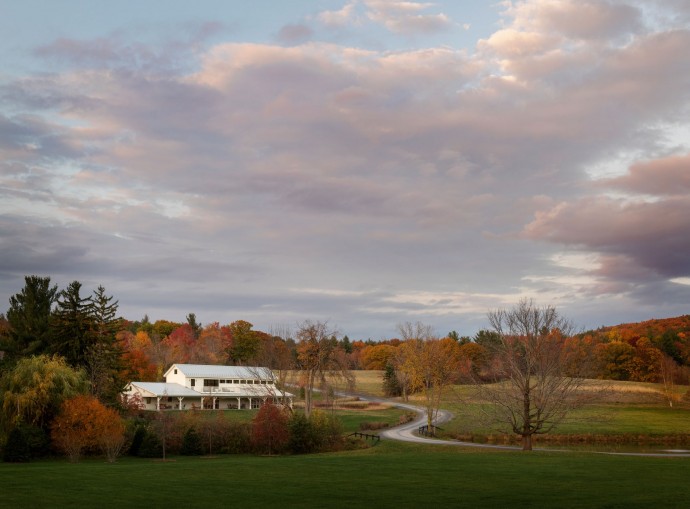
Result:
pixel 202 386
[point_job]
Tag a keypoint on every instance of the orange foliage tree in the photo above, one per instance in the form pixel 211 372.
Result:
pixel 85 423
pixel 377 356
pixel 136 357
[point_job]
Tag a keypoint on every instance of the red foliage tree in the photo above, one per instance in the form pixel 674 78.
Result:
pixel 270 429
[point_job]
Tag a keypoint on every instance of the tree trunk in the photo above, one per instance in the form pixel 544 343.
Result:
pixel 527 442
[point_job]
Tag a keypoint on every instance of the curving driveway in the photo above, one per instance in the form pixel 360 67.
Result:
pixel 406 433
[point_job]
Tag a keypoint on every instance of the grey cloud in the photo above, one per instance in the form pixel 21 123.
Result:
pixel 656 235
pixel 295 34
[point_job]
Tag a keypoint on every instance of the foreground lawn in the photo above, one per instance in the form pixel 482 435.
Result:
pixel 388 475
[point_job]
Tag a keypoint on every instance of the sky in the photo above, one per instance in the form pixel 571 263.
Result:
pixel 361 162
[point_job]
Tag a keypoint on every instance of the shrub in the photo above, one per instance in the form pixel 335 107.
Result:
pixel 235 438
pixel 151 446
pixel 191 443
pixel 25 443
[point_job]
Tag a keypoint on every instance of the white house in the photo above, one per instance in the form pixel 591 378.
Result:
pixel 200 386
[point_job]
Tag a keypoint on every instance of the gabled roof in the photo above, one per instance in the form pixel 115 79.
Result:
pixel 212 371
pixel 165 389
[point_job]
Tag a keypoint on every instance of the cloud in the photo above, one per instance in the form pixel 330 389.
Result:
pixel 661 177
pixel 399 17
pixel 339 18
pixel 295 34
pixel 406 18
pixel 354 183
pixel 576 19
pixel 653 234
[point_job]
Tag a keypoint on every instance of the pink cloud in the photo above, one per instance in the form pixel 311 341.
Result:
pixel 668 176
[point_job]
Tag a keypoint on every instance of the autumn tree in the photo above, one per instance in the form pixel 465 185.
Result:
pixel 181 344
pixel 245 343
pixel 532 392
pixel 319 359
pixel 377 356
pixel 270 429
pixel 213 344
pixel 405 359
pixel 428 364
pixel 668 369
pixel 276 355
pixel 85 423
pixel 28 319
pixel 136 357
pixel 32 392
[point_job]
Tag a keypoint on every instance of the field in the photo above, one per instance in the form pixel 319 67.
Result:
pixel 387 475
pixel 627 410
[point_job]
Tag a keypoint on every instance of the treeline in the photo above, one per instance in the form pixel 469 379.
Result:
pixel 58 345
pixel 87 332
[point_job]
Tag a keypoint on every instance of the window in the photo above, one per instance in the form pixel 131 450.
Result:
pixel 148 401
pixel 210 383
pixel 176 372
pixel 192 382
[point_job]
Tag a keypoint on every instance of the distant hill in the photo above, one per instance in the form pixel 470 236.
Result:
pixel 651 329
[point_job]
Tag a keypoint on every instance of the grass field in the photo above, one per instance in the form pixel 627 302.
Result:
pixel 627 408
pixel 387 475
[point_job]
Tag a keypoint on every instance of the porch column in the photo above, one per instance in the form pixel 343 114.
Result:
pixel 179 401
pixel 158 403
pixel 239 403
pixel 213 405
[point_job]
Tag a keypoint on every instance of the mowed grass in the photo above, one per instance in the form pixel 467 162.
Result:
pixel 388 475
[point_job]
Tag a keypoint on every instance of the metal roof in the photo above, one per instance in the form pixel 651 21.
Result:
pixel 211 371
pixel 165 389
pixel 175 390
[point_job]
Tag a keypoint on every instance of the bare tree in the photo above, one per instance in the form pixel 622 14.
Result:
pixel 532 392
pixel 319 358
pixel 667 370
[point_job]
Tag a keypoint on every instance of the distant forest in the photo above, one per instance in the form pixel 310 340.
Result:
pixel 85 329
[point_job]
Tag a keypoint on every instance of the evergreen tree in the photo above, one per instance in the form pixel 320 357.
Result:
pixel 103 356
pixel 391 386
pixel 73 325
pixel 191 443
pixel 196 327
pixel 29 320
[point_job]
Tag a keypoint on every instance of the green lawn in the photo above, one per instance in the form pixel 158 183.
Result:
pixel 387 475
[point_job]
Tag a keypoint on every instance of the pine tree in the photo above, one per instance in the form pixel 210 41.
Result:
pixel 73 325
pixel 391 386
pixel 103 356
pixel 191 443
pixel 29 320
